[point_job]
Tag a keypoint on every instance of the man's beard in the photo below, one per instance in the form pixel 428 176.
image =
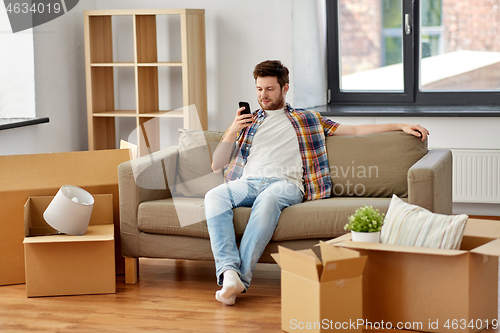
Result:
pixel 275 105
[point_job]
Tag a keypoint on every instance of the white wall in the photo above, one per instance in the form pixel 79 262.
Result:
pixel 309 52
pixel 17 86
pixel 59 89
pixel 239 34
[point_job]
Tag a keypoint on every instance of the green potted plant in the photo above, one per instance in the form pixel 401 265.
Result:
pixel 365 224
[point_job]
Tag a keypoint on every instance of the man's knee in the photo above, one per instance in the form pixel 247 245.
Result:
pixel 284 189
pixel 216 194
pixel 269 199
pixel 279 195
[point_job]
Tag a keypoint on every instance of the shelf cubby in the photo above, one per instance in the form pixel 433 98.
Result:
pixel 135 61
pixel 100 32
pixel 146 38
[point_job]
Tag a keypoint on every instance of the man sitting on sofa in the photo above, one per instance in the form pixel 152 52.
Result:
pixel 271 159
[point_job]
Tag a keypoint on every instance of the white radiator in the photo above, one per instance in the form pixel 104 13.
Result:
pixel 476 175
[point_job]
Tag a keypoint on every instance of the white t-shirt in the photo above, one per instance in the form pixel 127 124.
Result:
pixel 275 150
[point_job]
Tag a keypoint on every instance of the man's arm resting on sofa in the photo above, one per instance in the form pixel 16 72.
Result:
pixel 382 128
pixel 430 181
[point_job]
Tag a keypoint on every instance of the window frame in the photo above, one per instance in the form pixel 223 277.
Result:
pixel 411 64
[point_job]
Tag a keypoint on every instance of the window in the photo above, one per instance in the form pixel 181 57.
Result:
pixel 17 66
pixel 421 52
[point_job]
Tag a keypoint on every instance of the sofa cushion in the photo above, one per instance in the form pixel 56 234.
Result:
pixel 194 176
pixel 374 165
pixel 323 218
pixel 161 217
pixel 182 216
pixel 317 219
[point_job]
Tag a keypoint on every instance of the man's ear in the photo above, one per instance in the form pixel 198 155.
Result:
pixel 285 88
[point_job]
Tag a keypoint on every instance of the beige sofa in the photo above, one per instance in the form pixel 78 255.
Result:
pixel 160 221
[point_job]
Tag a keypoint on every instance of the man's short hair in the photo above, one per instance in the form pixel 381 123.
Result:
pixel 272 68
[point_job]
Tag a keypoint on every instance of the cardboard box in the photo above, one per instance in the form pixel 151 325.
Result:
pixel 433 290
pixel 320 296
pixel 58 264
pixel 25 176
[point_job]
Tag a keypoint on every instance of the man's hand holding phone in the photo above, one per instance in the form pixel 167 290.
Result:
pixel 243 118
pixel 223 152
pixel 246 110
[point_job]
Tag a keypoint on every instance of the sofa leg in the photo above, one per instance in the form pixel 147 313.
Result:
pixel 131 270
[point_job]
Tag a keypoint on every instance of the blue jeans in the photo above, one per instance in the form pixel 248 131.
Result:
pixel 267 197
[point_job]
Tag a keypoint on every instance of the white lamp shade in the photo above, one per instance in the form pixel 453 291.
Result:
pixel 69 212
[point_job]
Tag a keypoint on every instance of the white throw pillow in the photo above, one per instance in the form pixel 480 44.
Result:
pixel 411 225
pixel 194 172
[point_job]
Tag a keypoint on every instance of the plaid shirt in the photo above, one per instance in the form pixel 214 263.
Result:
pixel 311 129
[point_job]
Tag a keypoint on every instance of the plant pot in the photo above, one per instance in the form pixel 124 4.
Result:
pixel 368 237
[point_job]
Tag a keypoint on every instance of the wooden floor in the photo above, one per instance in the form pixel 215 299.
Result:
pixel 171 296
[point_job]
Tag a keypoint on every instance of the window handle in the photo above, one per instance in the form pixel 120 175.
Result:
pixel 407 24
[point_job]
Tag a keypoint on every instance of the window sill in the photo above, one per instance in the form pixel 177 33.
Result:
pixel 408 110
pixel 21 122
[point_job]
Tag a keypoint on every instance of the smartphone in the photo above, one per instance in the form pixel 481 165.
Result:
pixel 247 109
pixel 246 106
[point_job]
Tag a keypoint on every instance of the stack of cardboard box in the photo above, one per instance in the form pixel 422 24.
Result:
pixel 69 265
pixel 25 176
pixel 404 287
pixel 318 296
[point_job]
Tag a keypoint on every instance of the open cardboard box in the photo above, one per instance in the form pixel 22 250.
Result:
pixel 58 264
pixel 319 296
pixel 25 176
pixel 432 290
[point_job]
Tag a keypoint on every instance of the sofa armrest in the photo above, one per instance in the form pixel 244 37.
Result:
pixel 139 180
pixel 430 182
